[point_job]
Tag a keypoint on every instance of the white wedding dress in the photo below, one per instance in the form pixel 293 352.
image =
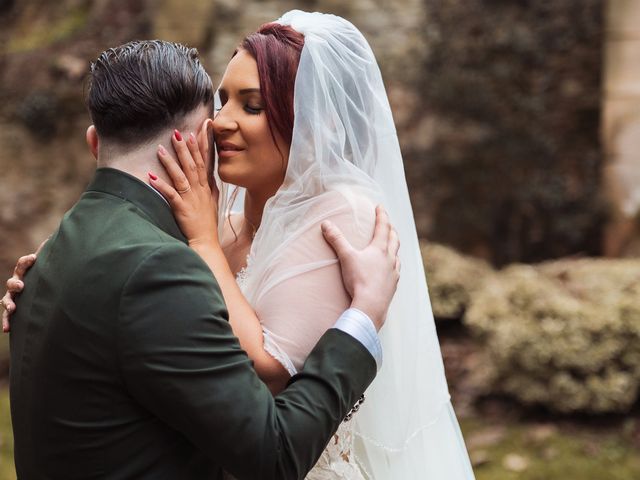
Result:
pixel 344 159
pixel 302 297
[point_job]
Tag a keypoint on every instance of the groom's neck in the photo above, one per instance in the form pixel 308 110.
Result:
pixel 139 160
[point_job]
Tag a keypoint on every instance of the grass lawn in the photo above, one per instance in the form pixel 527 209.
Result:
pixel 504 449
pixel 7 472
pixel 509 451
pixel 527 451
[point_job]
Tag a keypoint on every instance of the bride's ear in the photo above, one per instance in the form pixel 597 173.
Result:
pixel 92 140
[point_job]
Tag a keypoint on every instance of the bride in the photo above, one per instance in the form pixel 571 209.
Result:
pixel 304 134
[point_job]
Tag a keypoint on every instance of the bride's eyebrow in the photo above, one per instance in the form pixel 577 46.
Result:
pixel 244 91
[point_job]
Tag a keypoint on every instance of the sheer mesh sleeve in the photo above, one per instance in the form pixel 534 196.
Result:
pixel 303 294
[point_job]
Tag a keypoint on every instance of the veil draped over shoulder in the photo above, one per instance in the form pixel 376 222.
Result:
pixel 344 140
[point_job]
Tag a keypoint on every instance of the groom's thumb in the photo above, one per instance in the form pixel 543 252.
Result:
pixel 334 236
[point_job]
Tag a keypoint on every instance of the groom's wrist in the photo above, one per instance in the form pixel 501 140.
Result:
pixel 358 324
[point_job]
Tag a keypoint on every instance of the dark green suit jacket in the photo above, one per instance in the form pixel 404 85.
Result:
pixel 124 366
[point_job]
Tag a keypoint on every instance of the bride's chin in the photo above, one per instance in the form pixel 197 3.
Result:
pixel 228 176
pixel 224 173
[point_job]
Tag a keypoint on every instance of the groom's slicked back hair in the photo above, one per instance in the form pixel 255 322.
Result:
pixel 140 88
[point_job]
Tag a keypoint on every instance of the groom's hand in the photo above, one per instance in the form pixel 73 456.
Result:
pixel 370 275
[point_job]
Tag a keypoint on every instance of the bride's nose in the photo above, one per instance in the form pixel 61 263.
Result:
pixel 224 123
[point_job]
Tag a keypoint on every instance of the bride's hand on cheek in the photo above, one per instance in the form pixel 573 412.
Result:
pixel 193 200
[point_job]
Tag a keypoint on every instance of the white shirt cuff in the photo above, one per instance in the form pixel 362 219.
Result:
pixel 358 324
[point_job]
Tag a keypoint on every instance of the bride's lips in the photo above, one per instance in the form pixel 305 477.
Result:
pixel 228 149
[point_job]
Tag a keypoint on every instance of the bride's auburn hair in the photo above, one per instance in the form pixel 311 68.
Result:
pixel 276 49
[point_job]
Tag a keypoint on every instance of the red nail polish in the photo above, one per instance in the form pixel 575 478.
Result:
pixel 152 176
pixel 177 135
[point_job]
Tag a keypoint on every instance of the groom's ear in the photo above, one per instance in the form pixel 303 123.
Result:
pixel 92 140
pixel 205 137
pixel 205 141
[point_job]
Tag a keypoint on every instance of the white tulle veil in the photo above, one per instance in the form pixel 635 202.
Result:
pixel 344 135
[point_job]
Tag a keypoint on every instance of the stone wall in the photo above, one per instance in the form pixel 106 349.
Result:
pixel 45 49
pixel 621 126
pixel 510 99
pixel 496 103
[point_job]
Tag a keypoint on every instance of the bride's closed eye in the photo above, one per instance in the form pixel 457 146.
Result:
pixel 250 109
pixel 253 100
pixel 249 96
pixel 253 110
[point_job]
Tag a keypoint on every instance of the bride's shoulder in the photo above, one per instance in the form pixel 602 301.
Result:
pixel 350 210
pixel 349 201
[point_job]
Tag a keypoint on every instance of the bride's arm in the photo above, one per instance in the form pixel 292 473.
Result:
pixel 303 292
pixel 196 212
pixel 243 319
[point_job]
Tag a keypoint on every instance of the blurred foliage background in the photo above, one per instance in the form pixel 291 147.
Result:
pixel 508 113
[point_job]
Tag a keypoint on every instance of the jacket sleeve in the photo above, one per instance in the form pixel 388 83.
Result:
pixel 181 361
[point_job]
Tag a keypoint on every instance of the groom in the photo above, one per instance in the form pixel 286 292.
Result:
pixel 123 363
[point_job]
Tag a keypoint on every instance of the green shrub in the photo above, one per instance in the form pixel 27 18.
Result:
pixel 452 278
pixel 564 334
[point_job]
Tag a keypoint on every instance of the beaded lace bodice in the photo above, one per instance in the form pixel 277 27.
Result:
pixel 298 294
pixel 337 461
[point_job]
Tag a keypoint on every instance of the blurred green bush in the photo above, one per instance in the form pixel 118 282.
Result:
pixel 562 334
pixel 452 278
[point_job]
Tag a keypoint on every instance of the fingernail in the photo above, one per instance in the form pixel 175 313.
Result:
pixel 162 150
pixel 324 225
pixel 176 133
pixel 20 284
pixel 152 176
pixel 192 138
